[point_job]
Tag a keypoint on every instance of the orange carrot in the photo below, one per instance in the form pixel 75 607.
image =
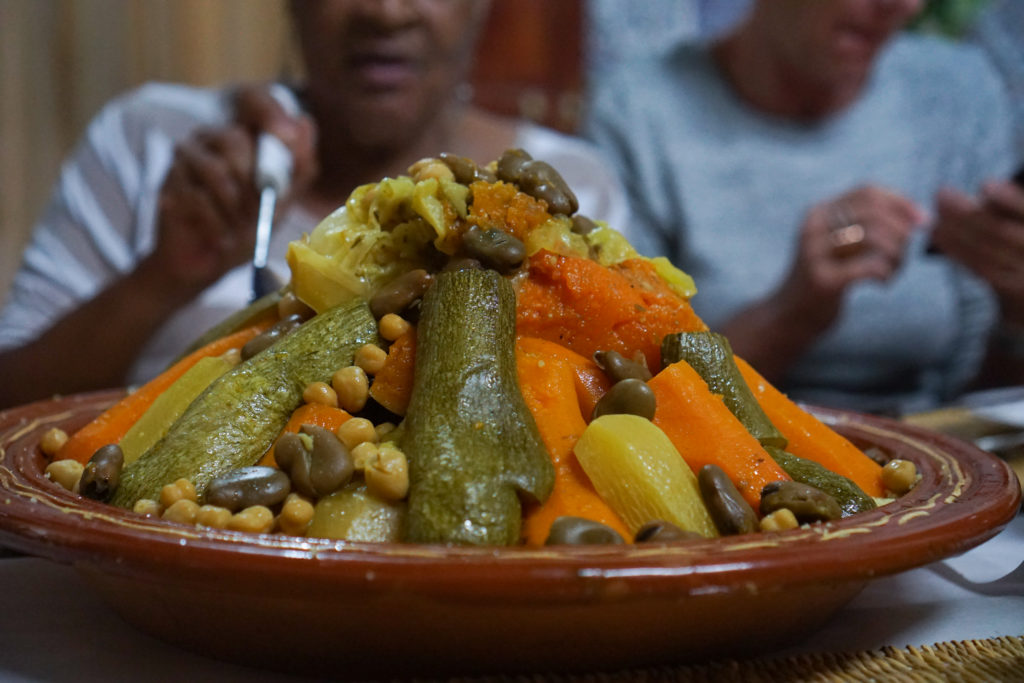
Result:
pixel 590 381
pixel 392 385
pixel 319 414
pixel 547 379
pixel 588 307
pixel 110 426
pixel 501 206
pixel 810 438
pixel 705 431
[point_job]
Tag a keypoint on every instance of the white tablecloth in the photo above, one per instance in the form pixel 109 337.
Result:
pixel 53 628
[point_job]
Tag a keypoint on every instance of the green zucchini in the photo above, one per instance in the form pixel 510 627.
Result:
pixel 236 419
pixel 472 444
pixel 710 354
pixel 851 498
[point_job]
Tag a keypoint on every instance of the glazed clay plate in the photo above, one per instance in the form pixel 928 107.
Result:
pixel 350 609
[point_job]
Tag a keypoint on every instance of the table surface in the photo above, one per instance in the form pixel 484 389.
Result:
pixel 54 628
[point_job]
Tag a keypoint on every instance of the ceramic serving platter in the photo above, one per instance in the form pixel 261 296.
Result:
pixel 356 609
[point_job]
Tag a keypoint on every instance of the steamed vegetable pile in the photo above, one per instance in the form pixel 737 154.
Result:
pixel 462 358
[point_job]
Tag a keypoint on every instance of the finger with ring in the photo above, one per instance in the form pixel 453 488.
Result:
pixel 847 240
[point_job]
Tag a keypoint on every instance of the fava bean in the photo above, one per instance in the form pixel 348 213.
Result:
pixel 569 530
pixel 262 341
pixel 807 503
pixel 462 263
pixel 539 180
pixel 465 170
pixel 248 486
pixel 731 513
pixel 399 294
pixel 618 367
pixel 289 305
pixel 102 473
pixel 660 531
pixel 494 248
pixel 317 469
pixel 629 396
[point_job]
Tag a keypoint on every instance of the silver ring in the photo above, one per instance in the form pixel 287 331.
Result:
pixel 847 236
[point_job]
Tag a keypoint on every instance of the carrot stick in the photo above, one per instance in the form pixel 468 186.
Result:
pixel 319 414
pixel 704 431
pixel 111 425
pixel 810 438
pixel 547 376
pixel 392 385
pixel 589 380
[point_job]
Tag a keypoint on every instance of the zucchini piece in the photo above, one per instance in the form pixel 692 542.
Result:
pixel 851 498
pixel 710 354
pixel 472 445
pixel 236 419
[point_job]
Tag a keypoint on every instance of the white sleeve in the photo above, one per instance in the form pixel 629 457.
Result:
pixel 100 219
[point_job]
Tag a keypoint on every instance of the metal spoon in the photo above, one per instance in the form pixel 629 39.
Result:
pixel 273 175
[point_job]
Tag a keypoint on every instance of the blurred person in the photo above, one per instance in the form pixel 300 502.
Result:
pixel 790 167
pixel 147 239
pixel 999 31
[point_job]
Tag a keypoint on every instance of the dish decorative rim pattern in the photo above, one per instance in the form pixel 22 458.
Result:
pixel 964 497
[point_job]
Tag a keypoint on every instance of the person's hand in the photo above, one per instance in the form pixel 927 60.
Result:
pixel 986 234
pixel 861 235
pixel 208 203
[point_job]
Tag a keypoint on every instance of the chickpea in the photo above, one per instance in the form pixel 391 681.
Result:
pixel 296 514
pixel 371 358
pixel 392 326
pixel 66 473
pixel 363 454
pixel 182 510
pixel 355 431
pixel 320 392
pixel 384 428
pixel 213 516
pixel 52 441
pixel 387 475
pixel 352 387
pixel 147 507
pixel 899 476
pixel 257 519
pixel 780 520
pixel 179 490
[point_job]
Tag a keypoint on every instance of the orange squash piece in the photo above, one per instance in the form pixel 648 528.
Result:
pixel 812 439
pixel 587 307
pixel 547 379
pixel 704 431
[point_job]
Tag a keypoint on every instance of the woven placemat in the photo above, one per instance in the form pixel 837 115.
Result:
pixel 968 661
